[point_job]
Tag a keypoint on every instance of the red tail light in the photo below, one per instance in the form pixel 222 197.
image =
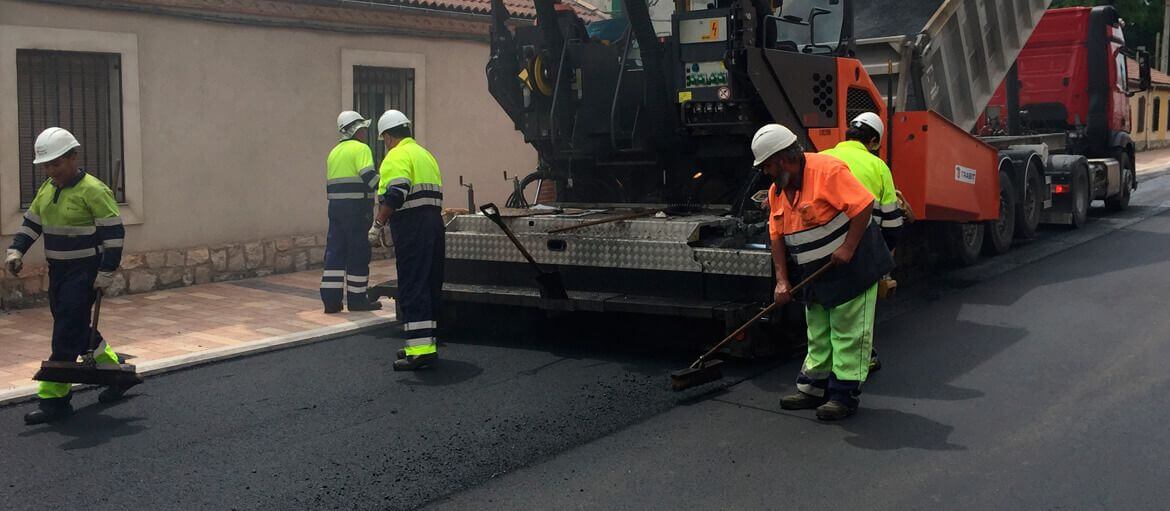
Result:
pixel 1060 189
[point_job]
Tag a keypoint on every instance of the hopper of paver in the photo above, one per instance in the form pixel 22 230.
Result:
pixel 948 56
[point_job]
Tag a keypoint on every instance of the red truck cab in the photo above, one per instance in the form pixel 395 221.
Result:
pixel 1073 79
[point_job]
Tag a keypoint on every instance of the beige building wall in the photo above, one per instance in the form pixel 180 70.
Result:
pixel 1151 135
pixel 236 121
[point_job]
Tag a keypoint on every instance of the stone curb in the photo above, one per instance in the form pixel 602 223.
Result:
pixel 179 362
pixel 1154 173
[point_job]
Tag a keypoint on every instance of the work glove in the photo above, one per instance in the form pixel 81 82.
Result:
pixel 904 205
pixel 377 235
pixel 104 280
pixel 14 262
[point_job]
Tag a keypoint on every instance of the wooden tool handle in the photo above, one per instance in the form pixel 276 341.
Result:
pixel 761 314
pixel 97 312
pixel 493 213
pixel 619 218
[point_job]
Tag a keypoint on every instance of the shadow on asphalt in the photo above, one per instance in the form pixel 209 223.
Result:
pixel 643 345
pixel 923 357
pixel 1157 246
pixel 889 430
pixel 88 427
pixel 445 372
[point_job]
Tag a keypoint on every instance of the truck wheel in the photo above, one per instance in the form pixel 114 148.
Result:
pixel 1081 198
pixel 1001 231
pixel 965 242
pixel 1121 201
pixel 1028 211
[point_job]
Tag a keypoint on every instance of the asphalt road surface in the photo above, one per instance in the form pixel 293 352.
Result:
pixel 1039 386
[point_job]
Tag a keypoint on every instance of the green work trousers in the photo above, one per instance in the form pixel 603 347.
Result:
pixel 839 342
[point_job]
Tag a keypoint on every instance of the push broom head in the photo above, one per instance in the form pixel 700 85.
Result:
pixel 100 374
pixel 706 372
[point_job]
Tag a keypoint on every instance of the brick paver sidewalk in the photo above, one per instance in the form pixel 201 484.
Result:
pixel 1148 161
pixel 166 328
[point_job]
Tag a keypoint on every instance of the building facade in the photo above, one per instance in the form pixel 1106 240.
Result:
pixel 1149 110
pixel 211 120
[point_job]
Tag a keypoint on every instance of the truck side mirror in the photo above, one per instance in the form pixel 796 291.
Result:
pixel 1144 79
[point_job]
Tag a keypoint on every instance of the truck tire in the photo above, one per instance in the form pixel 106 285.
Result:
pixel 1028 211
pixel 1081 197
pixel 964 241
pixel 1120 201
pixel 1000 232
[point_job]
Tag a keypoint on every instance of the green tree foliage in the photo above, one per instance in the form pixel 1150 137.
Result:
pixel 1143 18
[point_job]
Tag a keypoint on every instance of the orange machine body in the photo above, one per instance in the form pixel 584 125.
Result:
pixel 852 81
pixel 944 172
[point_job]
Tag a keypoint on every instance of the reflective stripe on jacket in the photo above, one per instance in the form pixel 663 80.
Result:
pixel 78 221
pixel 350 172
pixel 410 177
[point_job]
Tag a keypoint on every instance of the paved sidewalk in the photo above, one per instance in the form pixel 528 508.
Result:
pixel 179 327
pixel 1154 160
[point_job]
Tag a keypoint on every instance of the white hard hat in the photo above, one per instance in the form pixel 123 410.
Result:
pixel 349 122
pixel 869 119
pixel 770 140
pixel 53 143
pixel 392 119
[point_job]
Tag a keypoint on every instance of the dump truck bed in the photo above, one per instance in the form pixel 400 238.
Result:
pixel 957 52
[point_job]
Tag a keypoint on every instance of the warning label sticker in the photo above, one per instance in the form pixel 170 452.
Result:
pixel 964 174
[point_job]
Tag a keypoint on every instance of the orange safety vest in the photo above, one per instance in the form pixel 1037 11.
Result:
pixel 815 224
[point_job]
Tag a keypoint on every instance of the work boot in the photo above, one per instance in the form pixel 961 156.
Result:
pixel 49 410
pixel 411 363
pixel 332 309
pixel 835 411
pixel 114 393
pixel 801 401
pixel 368 306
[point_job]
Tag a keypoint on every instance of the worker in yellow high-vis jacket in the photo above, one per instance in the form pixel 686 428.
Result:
pixel 351 183
pixel 78 217
pixel 862 140
pixel 410 200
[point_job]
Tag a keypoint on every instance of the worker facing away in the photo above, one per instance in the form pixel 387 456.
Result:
pixel 862 140
pixel 410 200
pixel 820 214
pixel 352 182
pixel 79 219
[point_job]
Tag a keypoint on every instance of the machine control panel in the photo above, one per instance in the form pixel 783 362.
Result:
pixel 705 74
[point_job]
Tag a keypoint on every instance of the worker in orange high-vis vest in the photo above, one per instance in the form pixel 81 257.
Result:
pixel 821 214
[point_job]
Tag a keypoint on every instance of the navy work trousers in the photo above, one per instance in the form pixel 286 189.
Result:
pixel 347 253
pixel 420 249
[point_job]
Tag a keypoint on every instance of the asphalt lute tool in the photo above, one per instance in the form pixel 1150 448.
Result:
pixel 88 370
pixel 706 369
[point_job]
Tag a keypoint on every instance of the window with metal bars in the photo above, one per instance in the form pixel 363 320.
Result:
pixel 1156 122
pixel 378 89
pixel 78 91
pixel 1141 115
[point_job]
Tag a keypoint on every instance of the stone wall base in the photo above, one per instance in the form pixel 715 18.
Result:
pixel 166 269
pixel 1144 145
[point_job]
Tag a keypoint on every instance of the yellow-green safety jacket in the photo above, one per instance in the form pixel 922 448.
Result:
pixel 351 173
pixel 410 178
pixel 875 176
pixel 79 221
